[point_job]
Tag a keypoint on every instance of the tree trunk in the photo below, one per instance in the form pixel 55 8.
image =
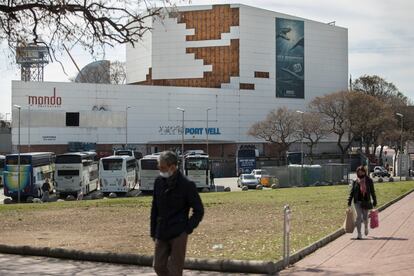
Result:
pixel 374 151
pixel 380 155
pixel 342 151
pixel 311 152
pixel 367 144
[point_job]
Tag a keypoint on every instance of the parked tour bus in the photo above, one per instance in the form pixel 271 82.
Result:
pixel 76 172
pixel 197 168
pixel 35 167
pixel 148 171
pixel 129 152
pixel 2 161
pixel 118 173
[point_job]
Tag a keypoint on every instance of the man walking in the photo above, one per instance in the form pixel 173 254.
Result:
pixel 45 189
pixel 174 196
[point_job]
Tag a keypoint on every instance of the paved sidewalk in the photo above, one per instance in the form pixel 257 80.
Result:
pixel 388 250
pixel 30 265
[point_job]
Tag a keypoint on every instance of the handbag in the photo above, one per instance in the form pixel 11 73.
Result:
pixel 374 220
pixel 349 223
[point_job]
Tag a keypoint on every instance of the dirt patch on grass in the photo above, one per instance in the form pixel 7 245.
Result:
pixel 239 225
pixel 126 229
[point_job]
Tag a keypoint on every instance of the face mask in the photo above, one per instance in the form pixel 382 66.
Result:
pixel 165 174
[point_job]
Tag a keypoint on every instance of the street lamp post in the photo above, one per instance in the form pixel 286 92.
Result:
pixel 301 147
pixel 401 149
pixel 126 126
pixel 207 110
pixel 182 138
pixel 28 130
pixel 301 138
pixel 18 156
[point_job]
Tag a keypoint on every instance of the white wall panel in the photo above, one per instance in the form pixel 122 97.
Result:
pixel 169 44
pixel 154 107
pixel 138 57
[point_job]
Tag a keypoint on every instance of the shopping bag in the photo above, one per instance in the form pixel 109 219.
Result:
pixel 374 220
pixel 349 223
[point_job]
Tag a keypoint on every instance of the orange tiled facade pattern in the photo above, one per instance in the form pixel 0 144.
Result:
pixel 208 25
pixel 264 75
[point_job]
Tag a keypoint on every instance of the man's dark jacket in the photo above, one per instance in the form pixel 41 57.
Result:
pixel 357 196
pixel 172 199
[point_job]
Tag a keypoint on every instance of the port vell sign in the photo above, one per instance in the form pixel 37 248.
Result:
pixel 46 101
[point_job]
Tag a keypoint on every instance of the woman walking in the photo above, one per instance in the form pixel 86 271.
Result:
pixel 362 191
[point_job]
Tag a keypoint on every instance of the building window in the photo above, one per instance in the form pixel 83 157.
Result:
pixel 72 118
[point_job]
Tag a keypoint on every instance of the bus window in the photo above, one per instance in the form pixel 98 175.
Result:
pixel 131 165
pixel 94 174
pixel 68 159
pixel 196 164
pixel 13 160
pixel 68 172
pixel 112 164
pixel 149 164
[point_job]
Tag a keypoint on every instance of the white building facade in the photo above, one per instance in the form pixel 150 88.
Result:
pixel 236 61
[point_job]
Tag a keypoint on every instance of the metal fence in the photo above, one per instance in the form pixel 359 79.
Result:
pixel 224 168
pixel 310 175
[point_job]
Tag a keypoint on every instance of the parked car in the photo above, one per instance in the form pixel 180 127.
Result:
pixel 247 180
pixel 380 171
pixel 258 173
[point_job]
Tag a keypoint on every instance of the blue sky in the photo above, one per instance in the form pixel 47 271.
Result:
pixel 380 40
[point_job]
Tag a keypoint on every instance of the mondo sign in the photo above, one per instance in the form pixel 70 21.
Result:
pixel 46 101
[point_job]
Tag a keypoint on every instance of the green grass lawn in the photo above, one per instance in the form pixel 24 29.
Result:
pixel 247 225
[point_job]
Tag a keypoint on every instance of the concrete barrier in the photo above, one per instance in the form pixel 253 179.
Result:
pixel 142 260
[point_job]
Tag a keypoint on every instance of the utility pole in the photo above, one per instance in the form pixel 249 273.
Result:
pixel 182 138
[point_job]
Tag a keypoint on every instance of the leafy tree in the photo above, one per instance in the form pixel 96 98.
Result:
pixel 394 102
pixel 279 127
pixel 369 118
pixel 377 87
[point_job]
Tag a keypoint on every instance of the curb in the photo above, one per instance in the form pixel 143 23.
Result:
pixel 238 266
pixel 241 266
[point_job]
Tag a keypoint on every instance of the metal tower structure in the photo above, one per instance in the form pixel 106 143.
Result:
pixel 32 60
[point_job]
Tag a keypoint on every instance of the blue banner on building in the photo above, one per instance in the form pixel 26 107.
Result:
pixel 290 67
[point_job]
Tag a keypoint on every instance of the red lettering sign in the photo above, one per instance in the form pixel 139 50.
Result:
pixel 46 101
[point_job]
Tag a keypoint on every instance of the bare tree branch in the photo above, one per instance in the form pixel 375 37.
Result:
pixel 279 127
pixel 75 22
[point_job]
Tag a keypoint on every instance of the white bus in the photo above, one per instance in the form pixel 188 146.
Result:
pixel 35 167
pixel 2 164
pixel 197 168
pixel 76 172
pixel 118 173
pixel 148 171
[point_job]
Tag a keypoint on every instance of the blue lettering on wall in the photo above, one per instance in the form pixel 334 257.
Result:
pixel 202 131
